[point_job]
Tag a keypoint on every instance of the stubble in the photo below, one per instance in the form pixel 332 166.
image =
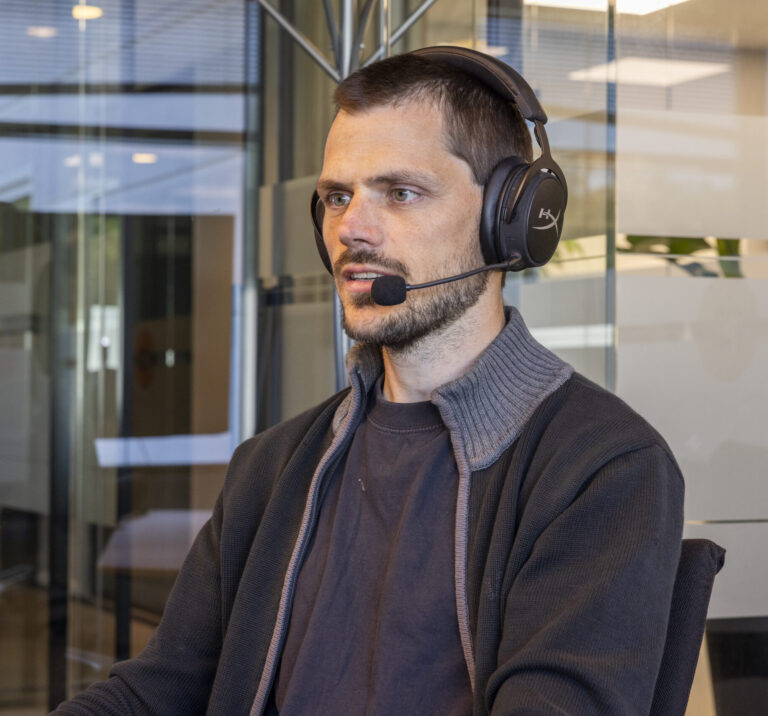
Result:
pixel 425 311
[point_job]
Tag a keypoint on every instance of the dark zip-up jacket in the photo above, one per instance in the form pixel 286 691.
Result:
pixel 568 528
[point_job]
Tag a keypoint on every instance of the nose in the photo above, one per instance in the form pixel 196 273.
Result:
pixel 358 225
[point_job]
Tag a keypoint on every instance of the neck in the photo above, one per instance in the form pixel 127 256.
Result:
pixel 412 374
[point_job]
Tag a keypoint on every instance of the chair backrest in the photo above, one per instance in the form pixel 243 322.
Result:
pixel 700 561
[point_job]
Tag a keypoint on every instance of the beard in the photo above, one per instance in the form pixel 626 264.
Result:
pixel 425 310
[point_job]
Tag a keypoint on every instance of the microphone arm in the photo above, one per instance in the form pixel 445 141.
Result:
pixel 503 266
pixel 392 290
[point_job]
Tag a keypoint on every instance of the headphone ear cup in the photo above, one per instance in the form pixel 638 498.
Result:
pixel 500 187
pixel 317 212
pixel 536 221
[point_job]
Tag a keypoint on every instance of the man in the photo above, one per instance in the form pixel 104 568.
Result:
pixel 472 527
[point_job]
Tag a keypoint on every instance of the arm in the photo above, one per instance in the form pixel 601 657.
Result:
pixel 174 673
pixel 585 618
pixel 254 523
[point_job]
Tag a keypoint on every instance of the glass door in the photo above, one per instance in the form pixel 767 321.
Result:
pixel 122 128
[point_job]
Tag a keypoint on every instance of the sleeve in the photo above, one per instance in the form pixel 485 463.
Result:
pixel 174 673
pixel 585 619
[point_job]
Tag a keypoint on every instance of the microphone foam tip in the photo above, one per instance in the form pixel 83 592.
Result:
pixel 388 290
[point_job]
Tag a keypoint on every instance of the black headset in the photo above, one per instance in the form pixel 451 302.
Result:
pixel 523 203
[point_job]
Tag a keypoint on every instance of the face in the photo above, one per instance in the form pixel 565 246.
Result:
pixel 398 202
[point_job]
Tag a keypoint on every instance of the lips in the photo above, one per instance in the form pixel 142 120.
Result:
pixel 358 278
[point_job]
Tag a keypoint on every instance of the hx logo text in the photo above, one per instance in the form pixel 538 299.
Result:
pixel 547 214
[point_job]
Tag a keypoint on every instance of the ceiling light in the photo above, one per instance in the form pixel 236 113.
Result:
pixel 601 5
pixel 628 7
pixel 42 31
pixel 144 158
pixel 72 161
pixel 86 12
pixel 649 71
pixel 644 7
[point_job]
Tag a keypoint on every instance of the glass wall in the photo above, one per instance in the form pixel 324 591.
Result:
pixel 161 298
pixel 692 293
pixel 569 303
pixel 122 132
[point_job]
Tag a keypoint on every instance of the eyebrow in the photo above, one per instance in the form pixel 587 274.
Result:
pixel 427 181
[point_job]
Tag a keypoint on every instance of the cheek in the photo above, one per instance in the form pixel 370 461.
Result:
pixel 328 227
pixel 330 239
pixel 465 206
pixel 460 228
pixel 328 247
pixel 447 235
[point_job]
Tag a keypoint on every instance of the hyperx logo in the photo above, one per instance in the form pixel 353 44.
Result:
pixel 547 214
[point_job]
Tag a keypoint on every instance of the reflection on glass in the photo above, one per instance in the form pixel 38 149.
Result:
pixel 692 296
pixel 121 203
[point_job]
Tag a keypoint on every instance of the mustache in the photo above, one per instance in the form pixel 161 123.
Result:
pixel 366 256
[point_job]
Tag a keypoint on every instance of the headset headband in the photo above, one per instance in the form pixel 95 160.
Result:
pixel 504 81
pixel 491 72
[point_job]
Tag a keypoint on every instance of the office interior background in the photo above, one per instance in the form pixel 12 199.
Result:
pixel 161 298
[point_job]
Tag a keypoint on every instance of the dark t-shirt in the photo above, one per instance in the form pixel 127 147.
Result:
pixel 373 627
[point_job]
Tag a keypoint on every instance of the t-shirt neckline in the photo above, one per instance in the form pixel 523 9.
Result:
pixel 401 416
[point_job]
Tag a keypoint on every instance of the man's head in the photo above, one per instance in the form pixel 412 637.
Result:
pixel 413 143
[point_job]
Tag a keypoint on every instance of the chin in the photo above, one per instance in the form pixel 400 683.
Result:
pixel 366 323
pixel 400 327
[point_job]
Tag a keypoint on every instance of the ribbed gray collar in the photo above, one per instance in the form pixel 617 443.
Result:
pixel 486 408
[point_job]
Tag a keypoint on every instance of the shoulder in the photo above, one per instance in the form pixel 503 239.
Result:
pixel 582 427
pixel 585 413
pixel 585 452
pixel 269 452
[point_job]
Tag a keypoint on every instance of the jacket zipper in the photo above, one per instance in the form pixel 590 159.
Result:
pixel 294 565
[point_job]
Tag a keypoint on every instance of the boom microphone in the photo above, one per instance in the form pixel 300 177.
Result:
pixel 391 290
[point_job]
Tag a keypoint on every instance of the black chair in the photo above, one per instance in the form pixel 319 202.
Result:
pixel 700 561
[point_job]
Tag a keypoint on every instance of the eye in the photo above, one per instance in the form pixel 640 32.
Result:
pixel 337 200
pixel 402 196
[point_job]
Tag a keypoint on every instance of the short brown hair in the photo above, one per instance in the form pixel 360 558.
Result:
pixel 482 127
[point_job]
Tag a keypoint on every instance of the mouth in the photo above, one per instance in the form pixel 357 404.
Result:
pixel 358 278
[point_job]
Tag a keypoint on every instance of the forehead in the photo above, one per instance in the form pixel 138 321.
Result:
pixel 410 134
